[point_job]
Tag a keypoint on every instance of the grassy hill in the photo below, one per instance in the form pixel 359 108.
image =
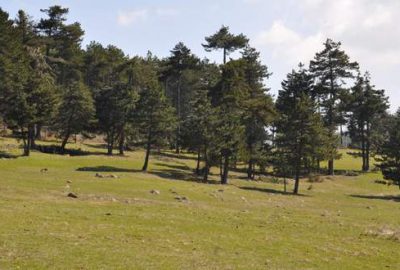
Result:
pixel 166 219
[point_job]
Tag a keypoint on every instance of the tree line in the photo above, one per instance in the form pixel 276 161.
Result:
pixel 222 112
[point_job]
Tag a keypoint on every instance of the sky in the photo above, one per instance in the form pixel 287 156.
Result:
pixel 285 32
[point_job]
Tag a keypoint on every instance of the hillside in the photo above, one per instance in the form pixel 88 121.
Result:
pixel 126 219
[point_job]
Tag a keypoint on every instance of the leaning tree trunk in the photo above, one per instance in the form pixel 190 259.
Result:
pixel 148 148
pixel 64 142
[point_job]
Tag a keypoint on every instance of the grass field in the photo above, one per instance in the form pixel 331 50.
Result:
pixel 117 223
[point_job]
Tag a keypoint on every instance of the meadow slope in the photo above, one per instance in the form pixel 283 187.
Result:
pixel 118 223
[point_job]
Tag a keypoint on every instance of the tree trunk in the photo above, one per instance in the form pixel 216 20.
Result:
pixel 341 135
pixel 367 149
pixel 198 162
pixel 25 141
pixel 364 163
pixel 148 148
pixel 224 56
pixel 296 182
pixel 206 166
pixel 64 142
pixel 121 142
pixel 220 167
pixel 110 143
pixel 224 178
pixel 31 136
pixel 178 136
pixel 250 169
pixel 38 133
pixel 331 170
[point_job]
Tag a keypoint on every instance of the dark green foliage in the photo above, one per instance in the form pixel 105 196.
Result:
pixel 366 105
pixel 330 68
pixel 259 111
pixel 390 151
pixel 75 112
pixel 153 115
pixel 301 136
pixel 28 89
pixel 226 41
pixel 180 73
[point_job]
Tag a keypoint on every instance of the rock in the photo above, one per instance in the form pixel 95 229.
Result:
pixel 72 195
pixel 99 175
pixel 114 200
pixel 310 187
pixel 220 190
pixel 43 170
pixel 108 214
pixel 155 192
pixel 69 182
pixel 182 198
pixel 114 176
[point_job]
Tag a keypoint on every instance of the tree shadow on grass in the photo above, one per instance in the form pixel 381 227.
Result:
pixel 177 156
pixel 378 197
pixel 175 167
pixel 106 169
pixel 7 155
pixel 171 174
pixel 56 149
pixel 272 191
pixel 182 176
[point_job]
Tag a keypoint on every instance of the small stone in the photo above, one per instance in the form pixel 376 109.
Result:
pixel 114 176
pixel 69 181
pixel 108 214
pixel 72 195
pixel 155 192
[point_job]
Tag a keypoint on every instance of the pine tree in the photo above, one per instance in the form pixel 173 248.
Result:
pixel 259 109
pixel 300 131
pixel 226 41
pixel 330 68
pixel 366 104
pixel 154 116
pixel 390 151
pixel 176 75
pixel 75 112
pixel 228 99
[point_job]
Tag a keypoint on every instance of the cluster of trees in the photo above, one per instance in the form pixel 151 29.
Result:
pixel 223 113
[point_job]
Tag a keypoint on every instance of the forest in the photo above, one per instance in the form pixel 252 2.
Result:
pixel 223 113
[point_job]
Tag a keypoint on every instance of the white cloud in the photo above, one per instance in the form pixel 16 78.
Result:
pixel 132 16
pixel 288 45
pixel 166 11
pixel 126 18
pixel 368 29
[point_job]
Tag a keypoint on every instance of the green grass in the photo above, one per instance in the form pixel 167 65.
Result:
pixel 119 224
